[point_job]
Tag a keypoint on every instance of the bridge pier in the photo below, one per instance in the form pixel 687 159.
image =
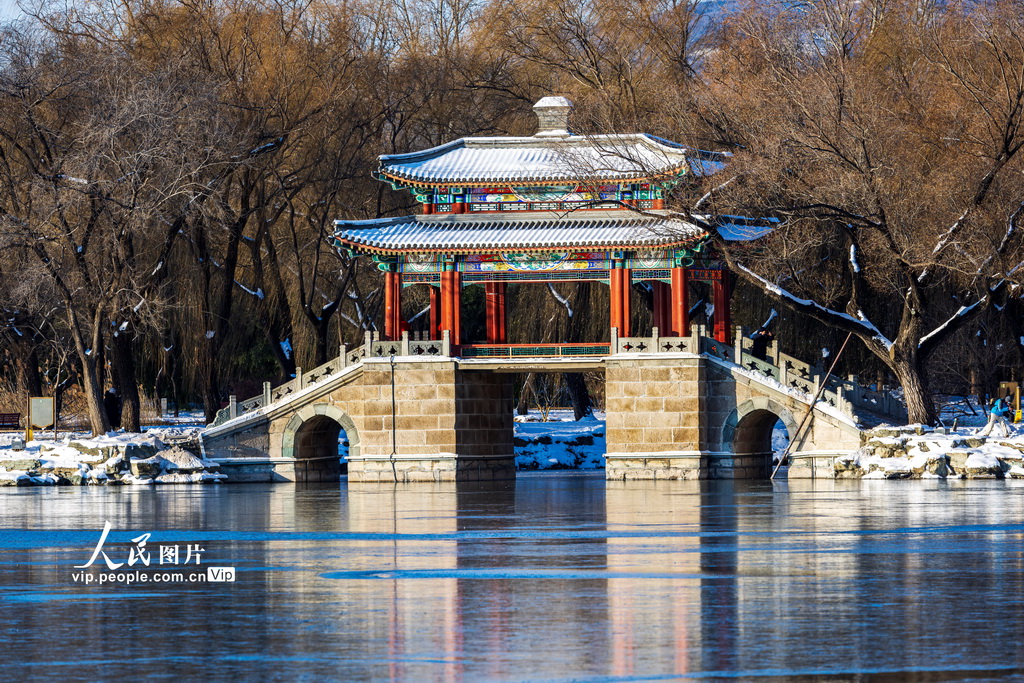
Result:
pixel 426 420
pixel 653 417
pixel 687 416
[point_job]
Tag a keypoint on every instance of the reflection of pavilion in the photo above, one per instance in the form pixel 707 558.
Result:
pixel 409 530
pixel 654 622
pixel 553 207
pixel 718 580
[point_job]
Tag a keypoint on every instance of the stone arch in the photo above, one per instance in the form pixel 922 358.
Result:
pixel 747 434
pixel 311 438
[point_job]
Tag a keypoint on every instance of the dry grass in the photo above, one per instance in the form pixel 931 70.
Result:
pixel 74 413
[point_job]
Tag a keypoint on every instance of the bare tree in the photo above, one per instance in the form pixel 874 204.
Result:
pixel 888 140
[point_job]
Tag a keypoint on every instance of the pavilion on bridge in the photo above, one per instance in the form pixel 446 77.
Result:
pixel 548 208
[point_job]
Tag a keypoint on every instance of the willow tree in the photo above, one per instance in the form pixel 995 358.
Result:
pixel 96 155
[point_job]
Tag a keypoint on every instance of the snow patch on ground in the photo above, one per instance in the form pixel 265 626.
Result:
pixel 560 443
pixel 982 460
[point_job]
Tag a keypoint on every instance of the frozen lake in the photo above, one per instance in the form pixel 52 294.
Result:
pixel 557 576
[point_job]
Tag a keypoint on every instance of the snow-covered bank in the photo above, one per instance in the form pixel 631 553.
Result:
pixel 559 444
pixel 115 458
pixel 916 452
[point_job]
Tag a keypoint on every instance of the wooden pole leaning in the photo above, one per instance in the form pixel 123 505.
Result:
pixel 810 408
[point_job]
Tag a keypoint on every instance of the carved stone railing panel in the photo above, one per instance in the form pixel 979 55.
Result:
pixel 762 367
pixel 321 373
pixel 637 345
pixel 674 345
pixel 426 348
pixel 284 391
pixel 713 347
pixel 250 405
pixel 380 349
pixel 356 355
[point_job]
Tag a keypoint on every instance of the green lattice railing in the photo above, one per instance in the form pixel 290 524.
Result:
pixel 532 350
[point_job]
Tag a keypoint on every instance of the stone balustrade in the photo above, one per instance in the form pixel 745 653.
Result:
pixel 846 395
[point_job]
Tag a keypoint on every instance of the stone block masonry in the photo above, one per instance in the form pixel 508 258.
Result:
pixel 653 417
pixel 669 416
pixel 449 424
pixel 683 416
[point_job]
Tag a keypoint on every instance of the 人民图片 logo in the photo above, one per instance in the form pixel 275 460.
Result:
pixel 168 556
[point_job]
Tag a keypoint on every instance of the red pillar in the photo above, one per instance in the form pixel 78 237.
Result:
pixel 619 298
pixel 614 300
pixel 680 303
pixel 451 304
pixel 392 306
pixel 448 303
pixel 435 312
pixel 723 321
pixel 428 209
pixel 494 303
pixel 626 285
pixel 457 307
pixel 502 325
pixel 662 307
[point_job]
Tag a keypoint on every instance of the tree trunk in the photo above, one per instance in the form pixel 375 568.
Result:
pixel 88 357
pixel 29 379
pixel 94 399
pixel 523 407
pixel 920 405
pixel 581 404
pixel 321 334
pixel 123 370
pixel 211 384
pixel 285 361
pixel 60 387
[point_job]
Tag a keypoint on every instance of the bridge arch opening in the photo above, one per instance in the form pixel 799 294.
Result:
pixel 757 433
pixel 318 438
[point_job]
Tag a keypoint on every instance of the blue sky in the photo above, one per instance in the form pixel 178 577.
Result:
pixel 9 9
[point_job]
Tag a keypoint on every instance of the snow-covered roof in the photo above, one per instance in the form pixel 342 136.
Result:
pixel 743 229
pixel 468 233
pixel 552 101
pixel 545 159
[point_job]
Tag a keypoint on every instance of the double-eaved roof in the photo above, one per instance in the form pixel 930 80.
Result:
pixel 554 156
pixel 546 159
pixel 537 231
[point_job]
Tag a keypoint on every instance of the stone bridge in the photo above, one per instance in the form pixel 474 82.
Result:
pixel 676 408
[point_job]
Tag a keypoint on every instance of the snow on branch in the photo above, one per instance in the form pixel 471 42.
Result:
pixel 712 191
pixel 257 293
pixel 560 299
pixel 861 321
pixel 419 315
pixel 943 242
pixel 1011 228
pixel 956 317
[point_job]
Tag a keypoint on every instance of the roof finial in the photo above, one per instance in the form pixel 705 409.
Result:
pixel 553 117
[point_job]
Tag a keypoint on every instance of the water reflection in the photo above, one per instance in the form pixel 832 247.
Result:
pixel 404 530
pixel 551 576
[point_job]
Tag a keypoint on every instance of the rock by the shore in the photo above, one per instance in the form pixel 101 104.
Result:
pixel 914 452
pixel 110 460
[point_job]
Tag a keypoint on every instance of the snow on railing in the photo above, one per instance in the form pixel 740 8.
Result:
pixel 790 372
pixel 845 394
pixel 301 380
